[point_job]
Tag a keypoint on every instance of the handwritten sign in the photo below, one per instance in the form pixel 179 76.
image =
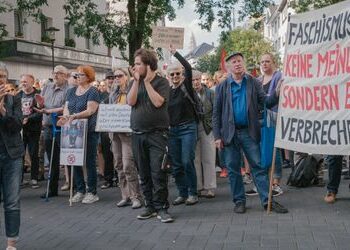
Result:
pixel 314 108
pixel 162 37
pixel 73 143
pixel 113 118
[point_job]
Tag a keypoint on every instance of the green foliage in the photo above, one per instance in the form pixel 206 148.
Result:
pixel 69 42
pixel 4 7
pixel 46 39
pixel 208 63
pixel 307 5
pixel 249 42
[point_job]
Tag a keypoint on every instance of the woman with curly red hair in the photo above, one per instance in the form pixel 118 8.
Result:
pixel 82 103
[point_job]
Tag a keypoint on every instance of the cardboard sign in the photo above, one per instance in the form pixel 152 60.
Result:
pixel 162 37
pixel 113 118
pixel 73 143
pixel 314 107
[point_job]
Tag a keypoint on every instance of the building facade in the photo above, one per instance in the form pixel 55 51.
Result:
pixel 276 24
pixel 28 49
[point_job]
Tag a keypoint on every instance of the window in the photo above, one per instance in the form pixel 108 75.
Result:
pixel 88 43
pixel 18 23
pixel 45 24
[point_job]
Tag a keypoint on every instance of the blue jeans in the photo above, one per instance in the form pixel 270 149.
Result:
pixel 334 163
pixel 91 152
pixel 251 149
pixel 182 149
pixel 278 165
pixel 10 179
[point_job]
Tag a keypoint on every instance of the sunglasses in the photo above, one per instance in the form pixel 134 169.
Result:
pixel 119 76
pixel 176 73
pixel 111 78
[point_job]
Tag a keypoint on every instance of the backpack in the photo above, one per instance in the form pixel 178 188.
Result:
pixel 196 103
pixel 304 173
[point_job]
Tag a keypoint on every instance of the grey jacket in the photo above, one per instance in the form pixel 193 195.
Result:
pixel 11 126
pixel 223 119
pixel 207 98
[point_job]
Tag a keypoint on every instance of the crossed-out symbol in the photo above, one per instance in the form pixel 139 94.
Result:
pixel 71 159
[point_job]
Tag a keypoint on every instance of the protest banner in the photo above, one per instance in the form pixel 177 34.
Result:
pixel 162 37
pixel 314 107
pixel 113 118
pixel 73 143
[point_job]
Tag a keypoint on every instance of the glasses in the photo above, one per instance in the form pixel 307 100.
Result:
pixel 119 76
pixel 175 73
pixel 110 78
pixel 3 76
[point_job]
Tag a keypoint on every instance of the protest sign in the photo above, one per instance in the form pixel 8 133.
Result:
pixel 73 143
pixel 162 37
pixel 314 107
pixel 113 118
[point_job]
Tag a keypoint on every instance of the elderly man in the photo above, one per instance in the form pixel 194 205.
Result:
pixel 11 153
pixel 236 127
pixel 31 124
pixel 54 94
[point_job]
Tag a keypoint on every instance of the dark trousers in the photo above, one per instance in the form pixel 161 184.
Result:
pixel 55 170
pixel 149 150
pixel 107 156
pixel 31 140
pixel 334 163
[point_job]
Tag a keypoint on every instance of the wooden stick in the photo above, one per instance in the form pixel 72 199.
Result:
pixel 272 171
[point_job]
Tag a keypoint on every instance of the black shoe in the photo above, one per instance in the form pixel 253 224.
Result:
pixel 276 207
pixel 106 185
pixel 239 208
pixel 147 213
pixel 164 217
pixel 43 196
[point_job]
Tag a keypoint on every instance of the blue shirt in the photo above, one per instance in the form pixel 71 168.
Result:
pixel 239 101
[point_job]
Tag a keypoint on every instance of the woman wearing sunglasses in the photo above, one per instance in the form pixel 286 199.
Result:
pixel 183 131
pixel 82 103
pixel 122 151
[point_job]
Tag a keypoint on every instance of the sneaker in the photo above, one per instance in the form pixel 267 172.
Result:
pixel 164 217
pixel 78 197
pixel 90 198
pixel 276 190
pixel 136 203
pixel 191 200
pixel 277 208
pixel 251 192
pixel 210 194
pixel 147 214
pixel 330 197
pixel 11 248
pixel 224 173
pixel 35 184
pixel 65 187
pixel 247 178
pixel 179 200
pixel 239 208
pixel 124 203
pixel 106 185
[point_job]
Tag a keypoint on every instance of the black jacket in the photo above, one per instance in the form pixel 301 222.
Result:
pixel 35 119
pixel 11 126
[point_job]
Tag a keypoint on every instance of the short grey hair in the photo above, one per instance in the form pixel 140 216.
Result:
pixel 3 68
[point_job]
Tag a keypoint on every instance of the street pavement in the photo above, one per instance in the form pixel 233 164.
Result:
pixel 211 224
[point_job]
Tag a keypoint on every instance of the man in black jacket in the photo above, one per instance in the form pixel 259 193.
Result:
pixel 11 153
pixel 31 124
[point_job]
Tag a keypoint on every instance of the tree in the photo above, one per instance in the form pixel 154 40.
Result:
pixel 208 63
pixel 135 31
pixel 307 5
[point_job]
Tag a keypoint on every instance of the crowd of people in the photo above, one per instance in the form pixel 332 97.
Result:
pixel 184 122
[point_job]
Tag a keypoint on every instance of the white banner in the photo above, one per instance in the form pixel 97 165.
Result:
pixel 73 143
pixel 314 107
pixel 113 118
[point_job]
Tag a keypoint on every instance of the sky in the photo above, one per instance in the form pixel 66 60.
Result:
pixel 187 18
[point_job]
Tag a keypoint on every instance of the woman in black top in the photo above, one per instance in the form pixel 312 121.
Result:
pixel 183 131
